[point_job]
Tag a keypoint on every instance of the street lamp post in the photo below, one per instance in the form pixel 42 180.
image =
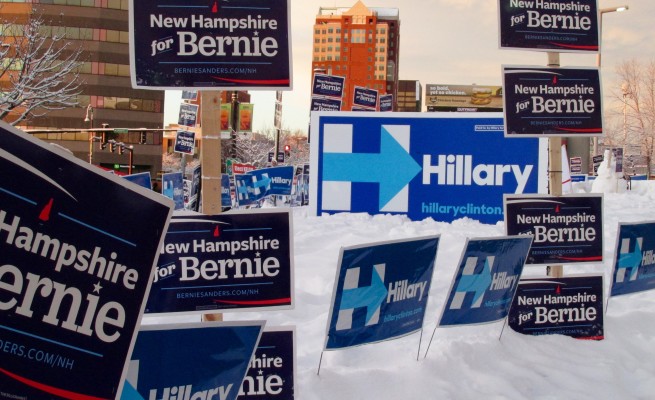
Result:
pixel 89 118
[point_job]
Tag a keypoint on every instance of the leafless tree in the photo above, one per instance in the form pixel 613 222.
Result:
pixel 39 71
pixel 634 104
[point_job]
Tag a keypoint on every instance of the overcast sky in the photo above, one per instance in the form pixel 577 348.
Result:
pixel 448 42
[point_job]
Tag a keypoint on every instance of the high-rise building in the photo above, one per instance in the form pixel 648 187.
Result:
pixel 101 29
pixel 361 44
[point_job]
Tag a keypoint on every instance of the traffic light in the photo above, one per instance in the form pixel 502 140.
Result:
pixel 112 146
pixel 103 141
pixel 287 150
pixel 142 138
pixel 121 148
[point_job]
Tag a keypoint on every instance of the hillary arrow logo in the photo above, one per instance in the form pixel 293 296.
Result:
pixel 629 260
pixel 353 297
pixel 470 282
pixel 393 168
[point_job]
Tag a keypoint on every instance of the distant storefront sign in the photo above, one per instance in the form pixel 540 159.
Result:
pixel 549 25
pixel 470 98
pixel 210 44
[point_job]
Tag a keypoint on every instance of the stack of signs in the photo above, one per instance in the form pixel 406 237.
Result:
pixel 380 292
pixel 634 266
pixel 73 276
pixel 571 306
pixel 227 261
pixel 272 369
pixel 255 185
pixel 327 91
pixel 191 361
pixel 485 283
pixel 566 229
pixel 365 99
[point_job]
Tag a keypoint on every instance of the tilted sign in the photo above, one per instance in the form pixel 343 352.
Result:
pixel 386 102
pixel 243 44
pixel 185 142
pixel 566 229
pixel 545 25
pixel 365 99
pixel 272 369
pixel 381 291
pixel 634 263
pixel 445 166
pixel 464 98
pixel 188 115
pixel 191 361
pixel 73 277
pixel 552 101
pixel 571 306
pixel 485 282
pixel 230 261
pixel 328 86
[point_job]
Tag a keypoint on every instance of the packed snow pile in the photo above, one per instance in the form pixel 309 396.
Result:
pixel 469 362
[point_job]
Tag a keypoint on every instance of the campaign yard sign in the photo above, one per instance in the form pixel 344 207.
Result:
pixel 443 166
pixel 566 229
pixel 634 263
pixel 191 361
pixel 74 274
pixel 272 370
pixel 571 306
pixel 193 44
pixel 325 104
pixel 226 191
pixel 552 101
pixel 185 142
pixel 486 280
pixel 549 25
pixel 365 99
pixel 188 115
pixel 328 86
pixel 234 260
pixel 386 102
pixel 173 188
pixel 381 291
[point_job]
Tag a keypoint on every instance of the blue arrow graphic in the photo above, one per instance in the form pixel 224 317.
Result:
pixel 631 260
pixel 478 283
pixel 370 297
pixel 392 167
pixel 130 393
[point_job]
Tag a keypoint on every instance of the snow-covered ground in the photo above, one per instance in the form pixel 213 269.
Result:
pixel 471 362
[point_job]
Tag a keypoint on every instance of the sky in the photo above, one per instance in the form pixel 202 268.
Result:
pixel 447 42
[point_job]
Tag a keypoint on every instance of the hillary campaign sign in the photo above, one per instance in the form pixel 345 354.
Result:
pixel 545 25
pixel 190 44
pixel 634 263
pixel 446 166
pixel 234 260
pixel 272 369
pixel 259 183
pixel 74 272
pixel 552 101
pixel 571 306
pixel 191 361
pixel 566 229
pixel 485 282
pixel 381 291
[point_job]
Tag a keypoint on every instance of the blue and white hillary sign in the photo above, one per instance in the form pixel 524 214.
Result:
pixel 552 101
pixel 381 291
pixel 185 142
pixel 191 361
pixel 272 369
pixel 73 278
pixel 257 184
pixel 560 26
pixel 445 167
pixel 190 44
pixel 571 306
pixel 247 191
pixel 172 186
pixel 236 261
pixel 634 264
pixel 485 282
pixel 365 98
pixel 328 86
pixel 226 191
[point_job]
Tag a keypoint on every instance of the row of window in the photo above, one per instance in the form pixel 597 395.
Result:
pixel 112 4
pixel 72 33
pixel 329 30
pixel 120 103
